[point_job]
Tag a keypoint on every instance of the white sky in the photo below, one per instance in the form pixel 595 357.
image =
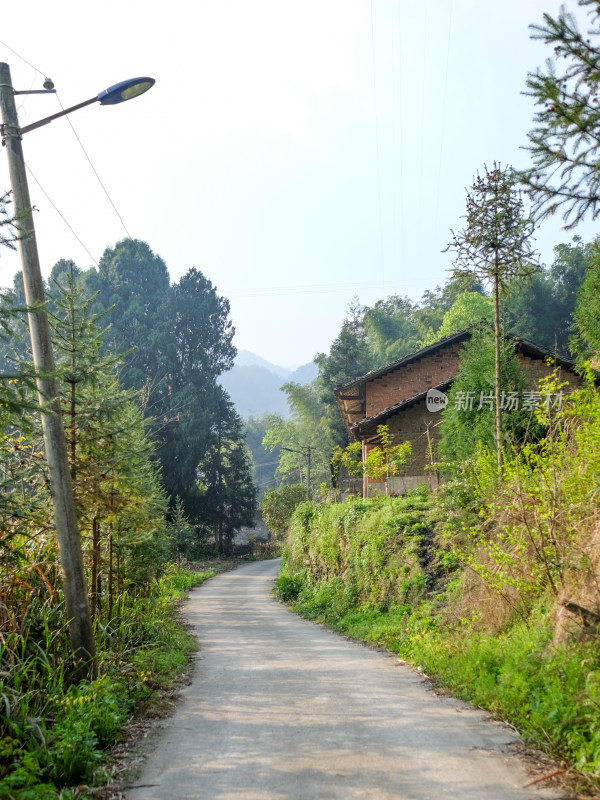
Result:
pixel 298 152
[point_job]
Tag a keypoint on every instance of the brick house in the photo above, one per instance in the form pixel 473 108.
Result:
pixel 396 395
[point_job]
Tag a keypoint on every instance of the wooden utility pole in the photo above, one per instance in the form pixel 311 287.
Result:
pixel 61 487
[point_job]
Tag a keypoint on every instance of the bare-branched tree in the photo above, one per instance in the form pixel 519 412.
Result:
pixel 495 246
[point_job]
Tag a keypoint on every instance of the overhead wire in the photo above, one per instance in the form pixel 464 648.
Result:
pixel 266 291
pixel 444 109
pixel 401 148
pixel 18 55
pixel 377 142
pixel 425 87
pixel 60 214
pixel 95 171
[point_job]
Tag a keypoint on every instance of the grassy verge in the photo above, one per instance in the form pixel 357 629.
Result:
pixel 55 735
pixel 373 573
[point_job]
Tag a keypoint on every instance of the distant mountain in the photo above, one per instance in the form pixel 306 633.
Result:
pixel 245 358
pixel 255 390
pixel 254 384
pixel 304 374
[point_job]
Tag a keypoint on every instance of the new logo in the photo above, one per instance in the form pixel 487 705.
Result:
pixel 436 400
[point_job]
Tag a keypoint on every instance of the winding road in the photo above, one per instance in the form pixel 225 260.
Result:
pixel 282 709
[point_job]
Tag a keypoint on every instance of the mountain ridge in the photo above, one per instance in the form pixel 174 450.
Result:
pixel 254 384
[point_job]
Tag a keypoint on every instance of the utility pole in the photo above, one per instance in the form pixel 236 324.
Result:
pixel 306 453
pixel 61 487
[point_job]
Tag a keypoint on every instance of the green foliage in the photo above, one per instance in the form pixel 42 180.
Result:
pixel 8 227
pixel 391 329
pixel 563 143
pixel 52 734
pixel 386 459
pixel 468 423
pixel 382 462
pixel 263 459
pixel 182 340
pixel 350 459
pixel 468 309
pixel 227 494
pixel 542 308
pixel 279 504
pixel 371 547
pixel 349 357
pixel 587 311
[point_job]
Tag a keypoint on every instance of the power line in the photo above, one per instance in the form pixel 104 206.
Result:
pixel 54 206
pixel 29 64
pixel 277 291
pixel 377 137
pixel 95 171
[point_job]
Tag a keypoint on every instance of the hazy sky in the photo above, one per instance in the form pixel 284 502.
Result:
pixel 298 152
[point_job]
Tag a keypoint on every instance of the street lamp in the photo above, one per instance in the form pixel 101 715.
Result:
pixel 119 93
pixel 306 453
pixel 61 487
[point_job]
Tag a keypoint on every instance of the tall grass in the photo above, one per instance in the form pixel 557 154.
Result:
pixel 52 731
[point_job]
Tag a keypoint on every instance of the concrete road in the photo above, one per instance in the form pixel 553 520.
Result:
pixel 282 709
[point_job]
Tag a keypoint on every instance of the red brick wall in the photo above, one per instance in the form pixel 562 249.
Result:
pixel 411 379
pixel 536 369
pixel 412 426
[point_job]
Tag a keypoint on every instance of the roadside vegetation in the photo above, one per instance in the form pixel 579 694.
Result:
pixel 61 711
pixel 489 586
pixel 54 732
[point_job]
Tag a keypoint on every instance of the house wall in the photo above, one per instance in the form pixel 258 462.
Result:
pixel 415 423
pixel 536 369
pixel 411 379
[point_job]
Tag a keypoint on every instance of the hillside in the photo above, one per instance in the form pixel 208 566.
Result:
pixel 254 384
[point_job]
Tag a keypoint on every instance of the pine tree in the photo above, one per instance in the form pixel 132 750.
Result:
pixel 564 142
pixel 120 502
pixel 495 246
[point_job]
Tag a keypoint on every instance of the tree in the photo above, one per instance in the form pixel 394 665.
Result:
pixel 189 403
pixel 307 435
pixel 495 246
pixel 468 309
pixel 587 311
pixel 543 311
pixel 203 331
pixel 119 499
pixel 279 504
pixel 182 340
pixel 383 460
pixel 469 420
pixel 265 462
pixel 564 143
pixel 349 357
pixel 390 329
pixel 226 489
pixel 434 304
pixel 8 229
pixel 134 285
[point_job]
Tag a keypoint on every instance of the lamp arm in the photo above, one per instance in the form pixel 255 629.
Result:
pixel 62 113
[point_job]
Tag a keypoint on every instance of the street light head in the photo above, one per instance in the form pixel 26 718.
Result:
pixel 48 84
pixel 126 90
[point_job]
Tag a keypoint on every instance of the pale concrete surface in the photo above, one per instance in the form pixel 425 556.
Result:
pixel 282 709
